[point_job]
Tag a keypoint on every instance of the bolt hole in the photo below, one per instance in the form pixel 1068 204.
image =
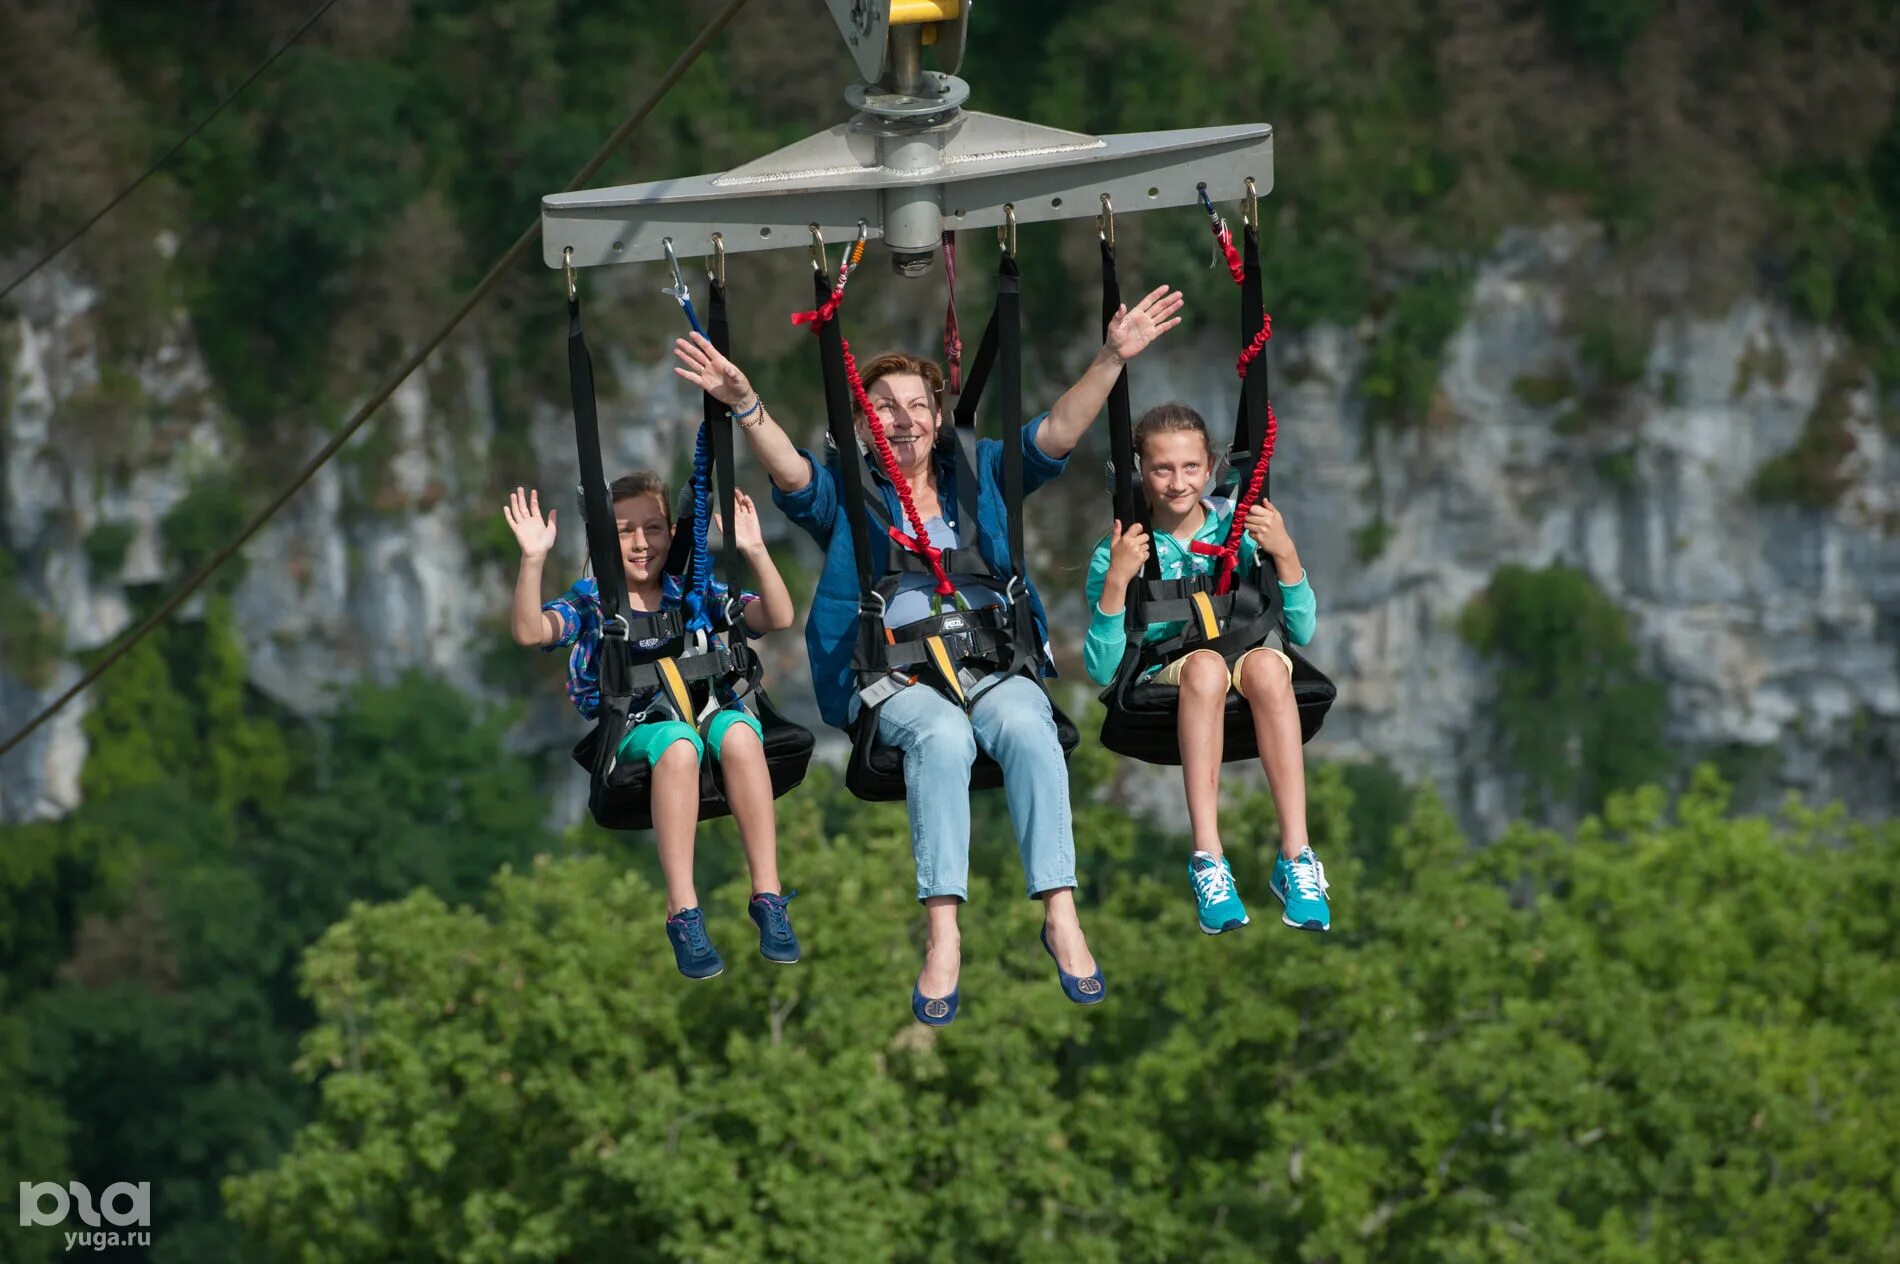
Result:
pixel 765 232
pixel 959 212
pixel 1154 192
pixel 619 245
pixel 1055 201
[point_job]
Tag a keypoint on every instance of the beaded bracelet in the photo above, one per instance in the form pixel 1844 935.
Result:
pixel 758 402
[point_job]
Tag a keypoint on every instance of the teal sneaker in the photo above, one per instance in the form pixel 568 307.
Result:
pixel 1301 886
pixel 1220 904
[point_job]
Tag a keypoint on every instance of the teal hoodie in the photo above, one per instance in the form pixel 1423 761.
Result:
pixel 1108 633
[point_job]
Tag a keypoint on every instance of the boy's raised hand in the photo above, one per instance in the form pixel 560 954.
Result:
pixel 1130 330
pixel 532 533
pixel 701 364
pixel 1128 551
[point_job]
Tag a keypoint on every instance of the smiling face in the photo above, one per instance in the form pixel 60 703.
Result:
pixel 1175 467
pixel 646 533
pixel 907 408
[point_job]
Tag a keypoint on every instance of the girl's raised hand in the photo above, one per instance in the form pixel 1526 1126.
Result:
pixel 532 533
pixel 701 364
pixel 1130 330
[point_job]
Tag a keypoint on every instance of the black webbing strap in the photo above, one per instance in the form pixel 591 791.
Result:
pixel 707 665
pixel 1250 418
pixel 1123 459
pixel 718 421
pixel 963 432
pixel 1008 319
pixel 603 540
pixel 1121 425
pixel 844 439
pixel 725 469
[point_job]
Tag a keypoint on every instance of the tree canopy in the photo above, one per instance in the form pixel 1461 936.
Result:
pixel 1664 1040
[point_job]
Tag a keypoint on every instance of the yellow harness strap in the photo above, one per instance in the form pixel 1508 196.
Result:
pixel 940 655
pixel 675 685
pixel 1210 626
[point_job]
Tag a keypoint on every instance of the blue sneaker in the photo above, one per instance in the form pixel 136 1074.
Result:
pixel 1220 904
pixel 776 940
pixel 1301 886
pixel 696 956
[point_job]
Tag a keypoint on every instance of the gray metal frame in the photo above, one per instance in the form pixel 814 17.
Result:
pixel 907 166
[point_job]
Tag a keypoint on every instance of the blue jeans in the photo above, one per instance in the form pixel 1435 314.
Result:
pixel 1013 724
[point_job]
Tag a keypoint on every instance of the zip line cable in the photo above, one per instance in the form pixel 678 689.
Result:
pixel 171 153
pixel 197 579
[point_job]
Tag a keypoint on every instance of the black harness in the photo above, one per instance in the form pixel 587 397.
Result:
pixel 1142 719
pixel 686 668
pixel 953 649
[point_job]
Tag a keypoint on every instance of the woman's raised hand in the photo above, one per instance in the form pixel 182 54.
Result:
pixel 1131 329
pixel 701 364
pixel 532 533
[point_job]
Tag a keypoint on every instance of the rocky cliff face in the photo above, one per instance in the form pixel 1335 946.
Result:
pixel 1772 626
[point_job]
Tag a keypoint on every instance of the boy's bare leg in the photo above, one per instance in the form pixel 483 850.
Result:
pixel 1268 688
pixel 1199 722
pixel 675 817
pixel 749 792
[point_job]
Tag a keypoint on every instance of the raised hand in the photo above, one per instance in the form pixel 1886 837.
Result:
pixel 1130 330
pixel 749 534
pixel 532 533
pixel 1128 551
pixel 701 364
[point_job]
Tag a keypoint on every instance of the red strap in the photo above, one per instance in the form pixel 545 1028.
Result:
pixel 1229 553
pixel 829 308
pixel 1225 236
pixel 919 542
pixel 1255 347
pixel 889 459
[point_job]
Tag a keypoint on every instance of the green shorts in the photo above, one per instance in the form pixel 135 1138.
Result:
pixel 649 741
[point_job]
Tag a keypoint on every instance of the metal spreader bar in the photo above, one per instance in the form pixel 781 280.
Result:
pixel 908 165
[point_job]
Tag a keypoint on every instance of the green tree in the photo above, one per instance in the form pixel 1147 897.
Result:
pixel 1575 714
pixel 1665 1040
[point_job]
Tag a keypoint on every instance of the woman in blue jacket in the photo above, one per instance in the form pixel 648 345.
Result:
pixel 1010 719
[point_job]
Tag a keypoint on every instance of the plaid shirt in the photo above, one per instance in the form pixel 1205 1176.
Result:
pixel 578 612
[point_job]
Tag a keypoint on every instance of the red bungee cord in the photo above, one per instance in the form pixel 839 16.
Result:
pixel 920 542
pixel 1229 553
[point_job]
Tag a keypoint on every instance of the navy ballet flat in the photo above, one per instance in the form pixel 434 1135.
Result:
pixel 1089 991
pixel 934 1011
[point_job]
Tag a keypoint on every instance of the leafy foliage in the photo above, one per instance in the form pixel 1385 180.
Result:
pixel 1575 713
pixel 1482 1063
pixel 1400 376
pixel 1600 30
pixel 153 934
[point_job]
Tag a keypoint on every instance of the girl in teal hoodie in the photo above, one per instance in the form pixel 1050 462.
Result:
pixel 1177 461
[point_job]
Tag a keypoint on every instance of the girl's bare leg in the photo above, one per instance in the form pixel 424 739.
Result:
pixel 1268 688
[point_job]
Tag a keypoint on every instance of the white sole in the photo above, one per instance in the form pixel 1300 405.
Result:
pixel 1287 921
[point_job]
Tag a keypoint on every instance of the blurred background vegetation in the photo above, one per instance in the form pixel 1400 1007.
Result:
pixel 1666 1037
